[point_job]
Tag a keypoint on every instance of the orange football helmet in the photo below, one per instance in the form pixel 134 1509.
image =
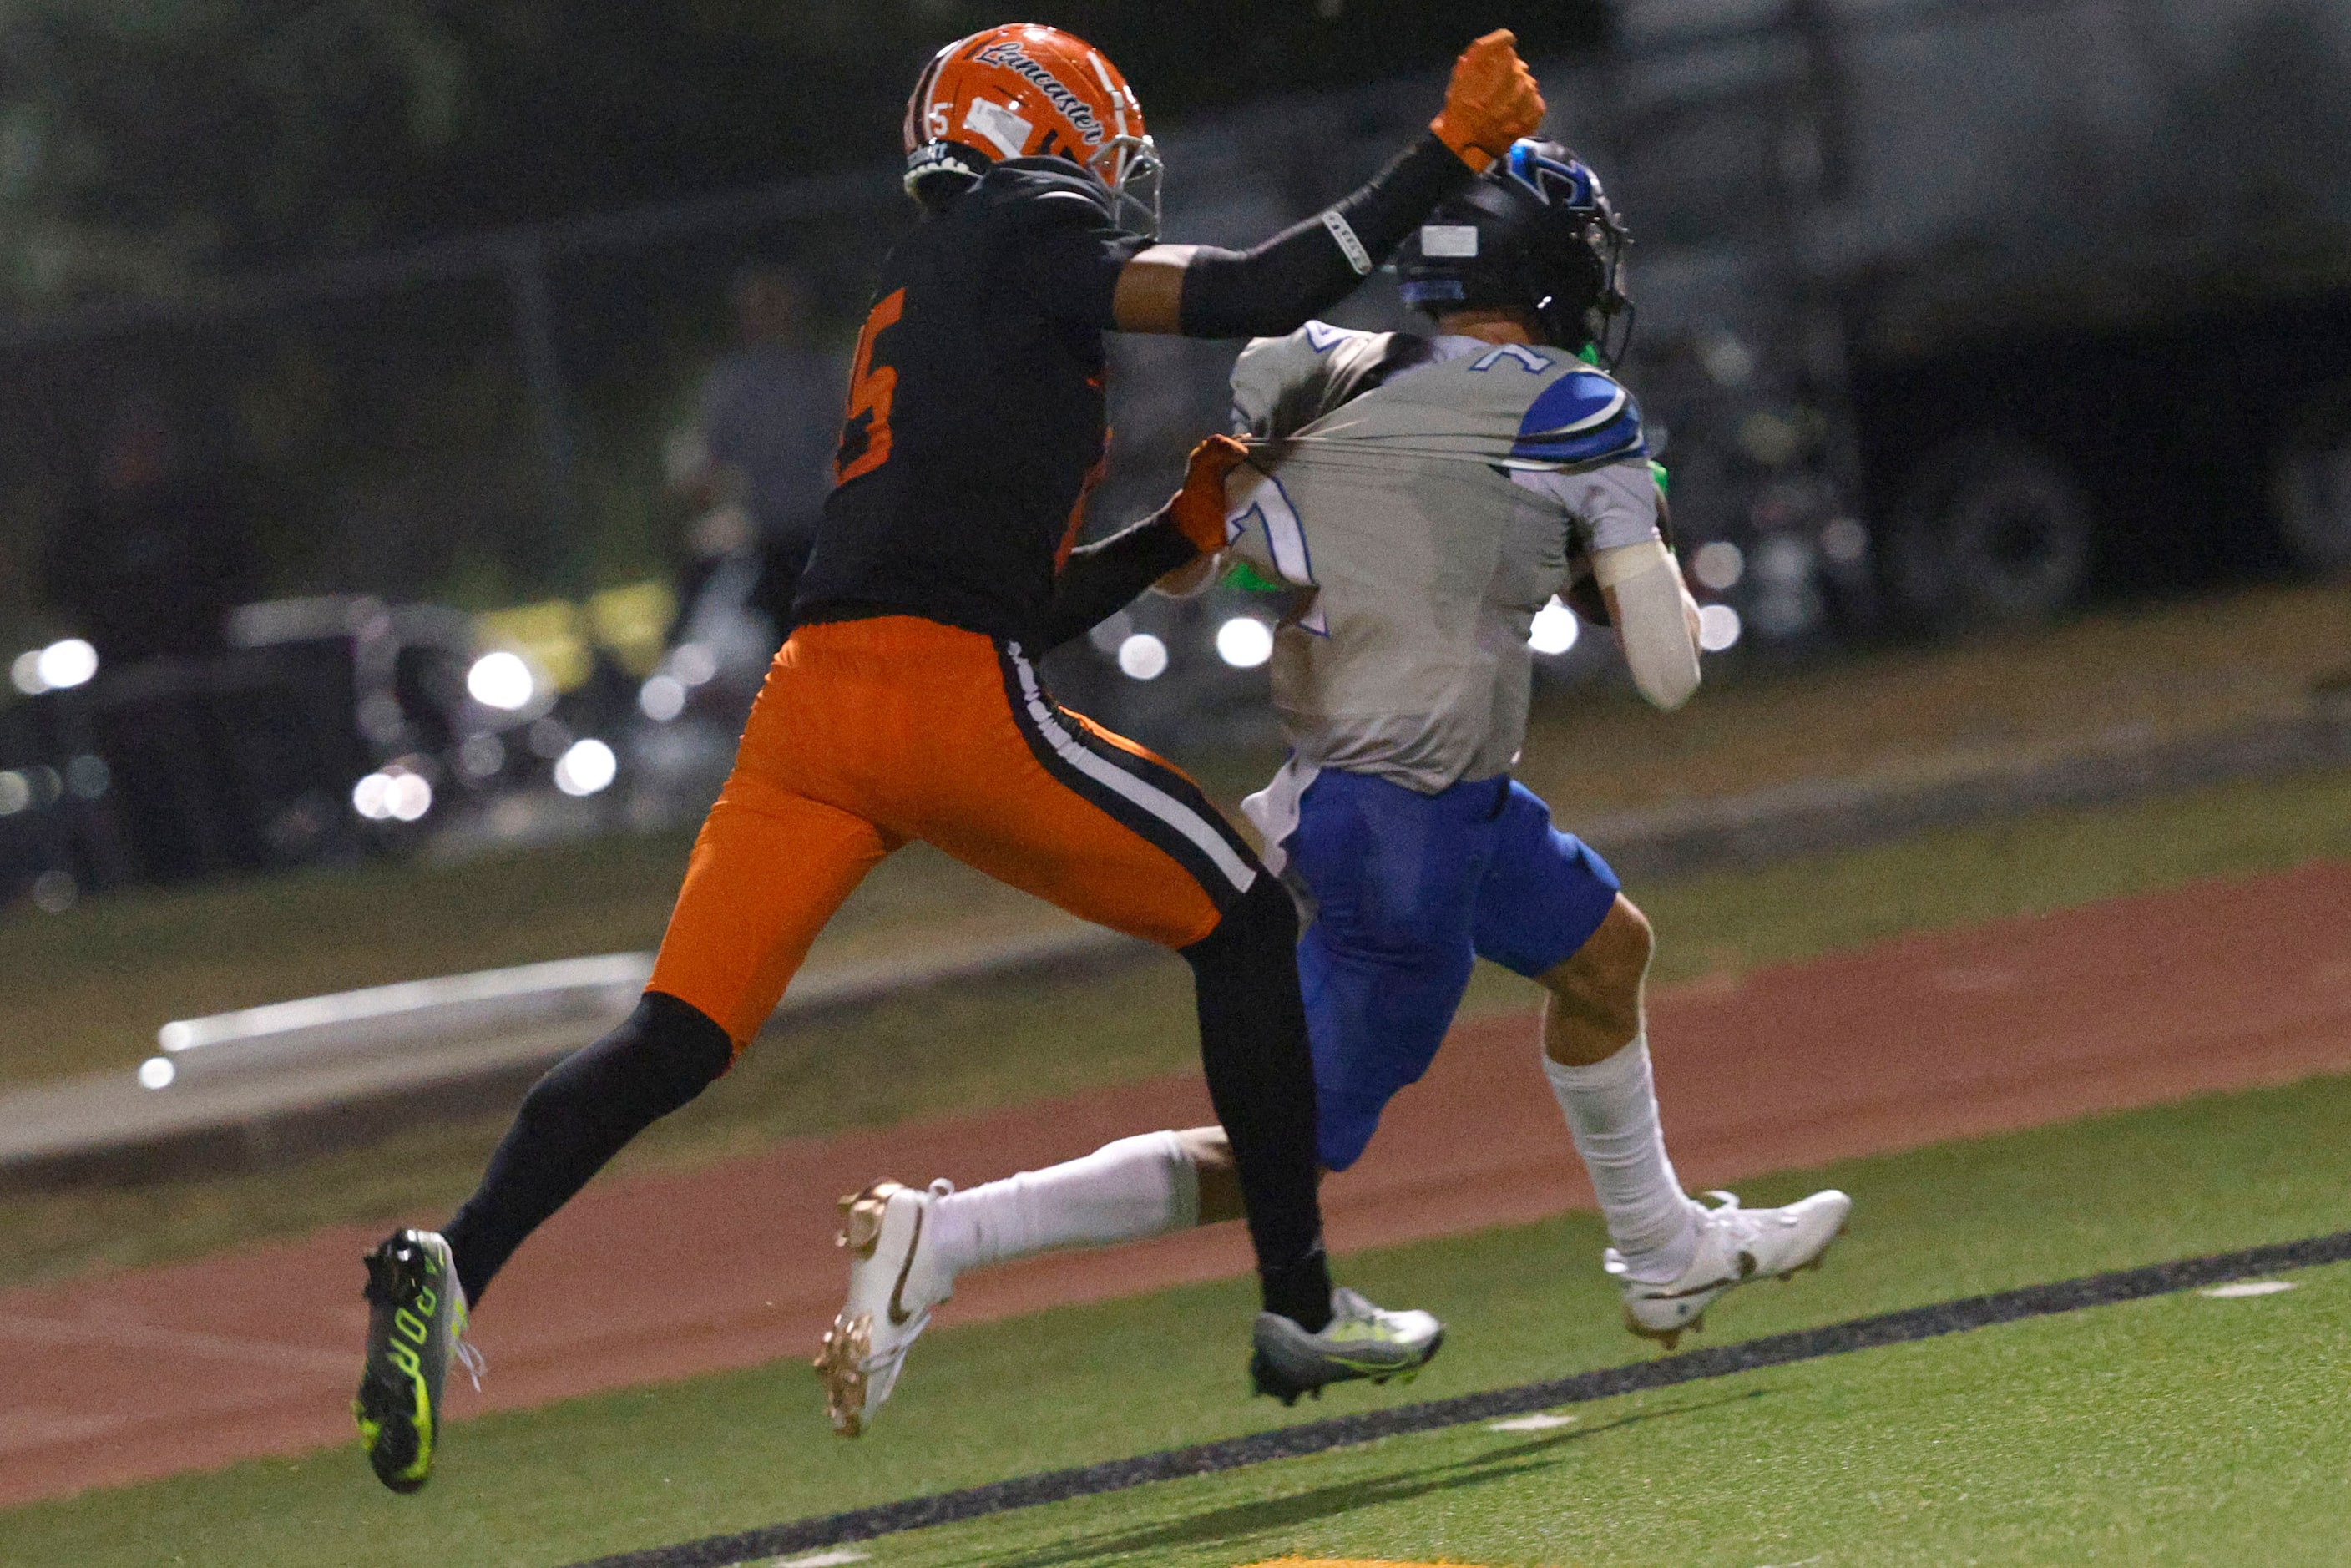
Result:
pixel 1026 91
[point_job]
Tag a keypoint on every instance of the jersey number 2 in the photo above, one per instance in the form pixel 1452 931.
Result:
pixel 865 427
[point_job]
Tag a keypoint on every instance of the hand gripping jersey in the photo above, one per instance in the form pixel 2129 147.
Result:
pixel 974 422
pixel 1423 498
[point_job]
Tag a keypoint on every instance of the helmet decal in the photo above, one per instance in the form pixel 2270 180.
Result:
pixel 1555 181
pixel 1005 131
pixel 1118 97
pixel 1449 239
pixel 1078 112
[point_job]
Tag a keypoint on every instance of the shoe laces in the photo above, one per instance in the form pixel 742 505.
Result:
pixel 470 1357
pixel 1352 1317
pixel 468 1354
pixel 882 1360
pixel 1734 1221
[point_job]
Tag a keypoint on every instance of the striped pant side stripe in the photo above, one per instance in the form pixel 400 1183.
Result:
pixel 1185 827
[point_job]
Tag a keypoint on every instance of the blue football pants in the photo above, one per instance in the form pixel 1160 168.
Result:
pixel 1408 891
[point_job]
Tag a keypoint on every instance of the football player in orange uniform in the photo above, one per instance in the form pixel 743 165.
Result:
pixel 907 706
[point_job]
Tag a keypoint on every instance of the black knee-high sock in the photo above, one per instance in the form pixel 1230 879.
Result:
pixel 575 1118
pixel 1261 1080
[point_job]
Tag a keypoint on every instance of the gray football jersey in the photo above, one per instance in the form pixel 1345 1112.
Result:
pixel 1421 499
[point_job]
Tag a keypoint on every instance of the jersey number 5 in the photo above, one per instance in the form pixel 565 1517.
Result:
pixel 865 427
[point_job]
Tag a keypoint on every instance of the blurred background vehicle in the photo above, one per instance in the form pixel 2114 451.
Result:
pixel 321 730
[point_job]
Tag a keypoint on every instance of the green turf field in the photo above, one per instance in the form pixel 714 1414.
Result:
pixel 2184 1429
pixel 2177 1429
pixel 973 1047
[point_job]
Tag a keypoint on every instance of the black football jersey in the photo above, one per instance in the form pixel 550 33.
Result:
pixel 975 424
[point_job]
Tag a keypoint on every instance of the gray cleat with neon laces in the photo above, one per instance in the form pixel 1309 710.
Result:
pixel 1360 1340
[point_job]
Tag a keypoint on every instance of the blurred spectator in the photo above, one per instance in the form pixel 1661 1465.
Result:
pixel 760 460
pixel 151 564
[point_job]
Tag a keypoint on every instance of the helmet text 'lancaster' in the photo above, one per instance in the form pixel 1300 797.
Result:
pixel 1078 112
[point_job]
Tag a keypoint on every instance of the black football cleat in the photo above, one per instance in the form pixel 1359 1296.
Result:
pixel 416 1320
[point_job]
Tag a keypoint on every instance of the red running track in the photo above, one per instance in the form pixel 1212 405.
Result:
pixel 2220 986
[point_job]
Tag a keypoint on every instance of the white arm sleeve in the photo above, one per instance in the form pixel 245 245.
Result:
pixel 1646 588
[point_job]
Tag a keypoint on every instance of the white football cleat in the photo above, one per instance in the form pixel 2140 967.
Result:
pixel 894 1280
pixel 1734 1245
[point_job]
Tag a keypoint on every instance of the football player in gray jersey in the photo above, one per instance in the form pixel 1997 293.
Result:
pixel 1418 499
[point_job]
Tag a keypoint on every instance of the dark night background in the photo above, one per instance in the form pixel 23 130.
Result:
pixel 147 141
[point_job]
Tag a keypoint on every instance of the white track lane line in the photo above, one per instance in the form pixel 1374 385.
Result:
pixel 1536 1423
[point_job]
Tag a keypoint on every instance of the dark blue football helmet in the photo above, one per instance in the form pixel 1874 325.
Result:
pixel 1535 233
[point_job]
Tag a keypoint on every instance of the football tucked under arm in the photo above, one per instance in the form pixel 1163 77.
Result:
pixel 1611 506
pixel 1656 619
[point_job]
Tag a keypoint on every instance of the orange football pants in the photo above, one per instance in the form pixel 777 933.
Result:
pixel 872 733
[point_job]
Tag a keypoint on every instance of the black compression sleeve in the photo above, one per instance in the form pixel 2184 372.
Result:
pixel 575 1118
pixel 1100 579
pixel 1260 1072
pixel 1273 288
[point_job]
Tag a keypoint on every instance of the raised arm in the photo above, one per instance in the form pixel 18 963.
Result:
pixel 1202 291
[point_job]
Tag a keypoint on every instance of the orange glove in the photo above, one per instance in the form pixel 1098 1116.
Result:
pixel 1490 103
pixel 1198 507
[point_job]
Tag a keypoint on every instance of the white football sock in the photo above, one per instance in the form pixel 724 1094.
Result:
pixel 1612 1113
pixel 1123 1191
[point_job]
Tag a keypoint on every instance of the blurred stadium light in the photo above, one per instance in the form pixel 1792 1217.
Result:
pixel 62 666
pixel 1555 629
